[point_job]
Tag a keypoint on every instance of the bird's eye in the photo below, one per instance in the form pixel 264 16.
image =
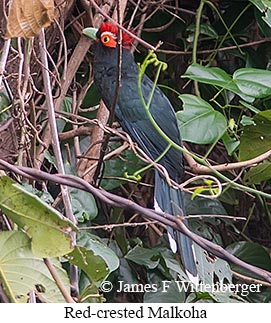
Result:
pixel 106 39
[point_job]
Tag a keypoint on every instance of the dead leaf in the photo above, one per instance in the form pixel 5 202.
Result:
pixel 27 17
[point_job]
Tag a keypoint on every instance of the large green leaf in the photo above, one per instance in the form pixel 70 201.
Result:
pixel 248 83
pixel 145 257
pixel 215 76
pixel 83 205
pixel 199 122
pixel 265 7
pixel 92 264
pixel 93 257
pixel 92 242
pixel 231 143
pixel 209 75
pixel 47 228
pixel 214 271
pixel 253 82
pixel 21 271
pixel 256 139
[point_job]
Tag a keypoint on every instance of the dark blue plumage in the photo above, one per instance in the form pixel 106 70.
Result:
pixel 134 120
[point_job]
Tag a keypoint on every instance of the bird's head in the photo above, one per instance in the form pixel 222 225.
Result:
pixel 107 35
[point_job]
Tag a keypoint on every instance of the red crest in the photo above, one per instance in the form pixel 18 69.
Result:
pixel 127 40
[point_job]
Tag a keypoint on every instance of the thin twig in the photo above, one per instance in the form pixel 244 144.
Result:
pixel 221 216
pixel 3 60
pixel 81 131
pixel 110 227
pixel 56 147
pixel 53 126
pixel 3 296
pixel 210 51
pixel 250 279
pixel 58 281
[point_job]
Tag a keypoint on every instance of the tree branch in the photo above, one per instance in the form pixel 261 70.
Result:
pixel 175 222
pixel 201 169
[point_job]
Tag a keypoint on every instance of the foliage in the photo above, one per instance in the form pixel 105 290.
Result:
pixel 214 65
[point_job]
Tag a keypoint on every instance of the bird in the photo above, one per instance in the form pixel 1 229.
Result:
pixel 133 118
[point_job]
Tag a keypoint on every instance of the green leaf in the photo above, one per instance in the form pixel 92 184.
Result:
pixel 265 7
pixel 253 82
pixel 214 76
pixel 91 295
pixel 146 257
pixel 259 173
pixel 92 264
pixel 252 253
pixel 247 121
pixel 116 168
pixel 256 139
pixel 199 122
pixel 214 271
pixel 248 83
pixel 21 271
pixel 93 257
pixel 230 143
pixel 91 98
pixel 209 75
pixel 66 106
pixel 92 242
pixel 45 196
pixel 5 104
pixel 205 29
pixel 47 228
pixel 83 205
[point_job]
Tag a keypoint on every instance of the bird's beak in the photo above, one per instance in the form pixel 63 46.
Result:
pixel 90 32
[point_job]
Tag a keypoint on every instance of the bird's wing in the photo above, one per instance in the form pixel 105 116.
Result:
pixel 134 119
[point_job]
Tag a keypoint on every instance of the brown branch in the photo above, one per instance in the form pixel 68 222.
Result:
pixel 210 51
pixel 85 166
pixel 81 131
pixel 53 126
pixel 110 227
pixel 56 147
pixel 3 59
pixel 201 169
pixel 250 279
pixel 58 281
pixel 175 222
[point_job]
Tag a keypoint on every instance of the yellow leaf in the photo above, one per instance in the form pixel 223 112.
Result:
pixel 27 17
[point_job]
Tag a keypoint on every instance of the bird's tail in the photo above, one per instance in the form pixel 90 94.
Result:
pixel 169 200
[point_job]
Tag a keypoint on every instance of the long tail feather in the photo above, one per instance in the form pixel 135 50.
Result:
pixel 169 200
